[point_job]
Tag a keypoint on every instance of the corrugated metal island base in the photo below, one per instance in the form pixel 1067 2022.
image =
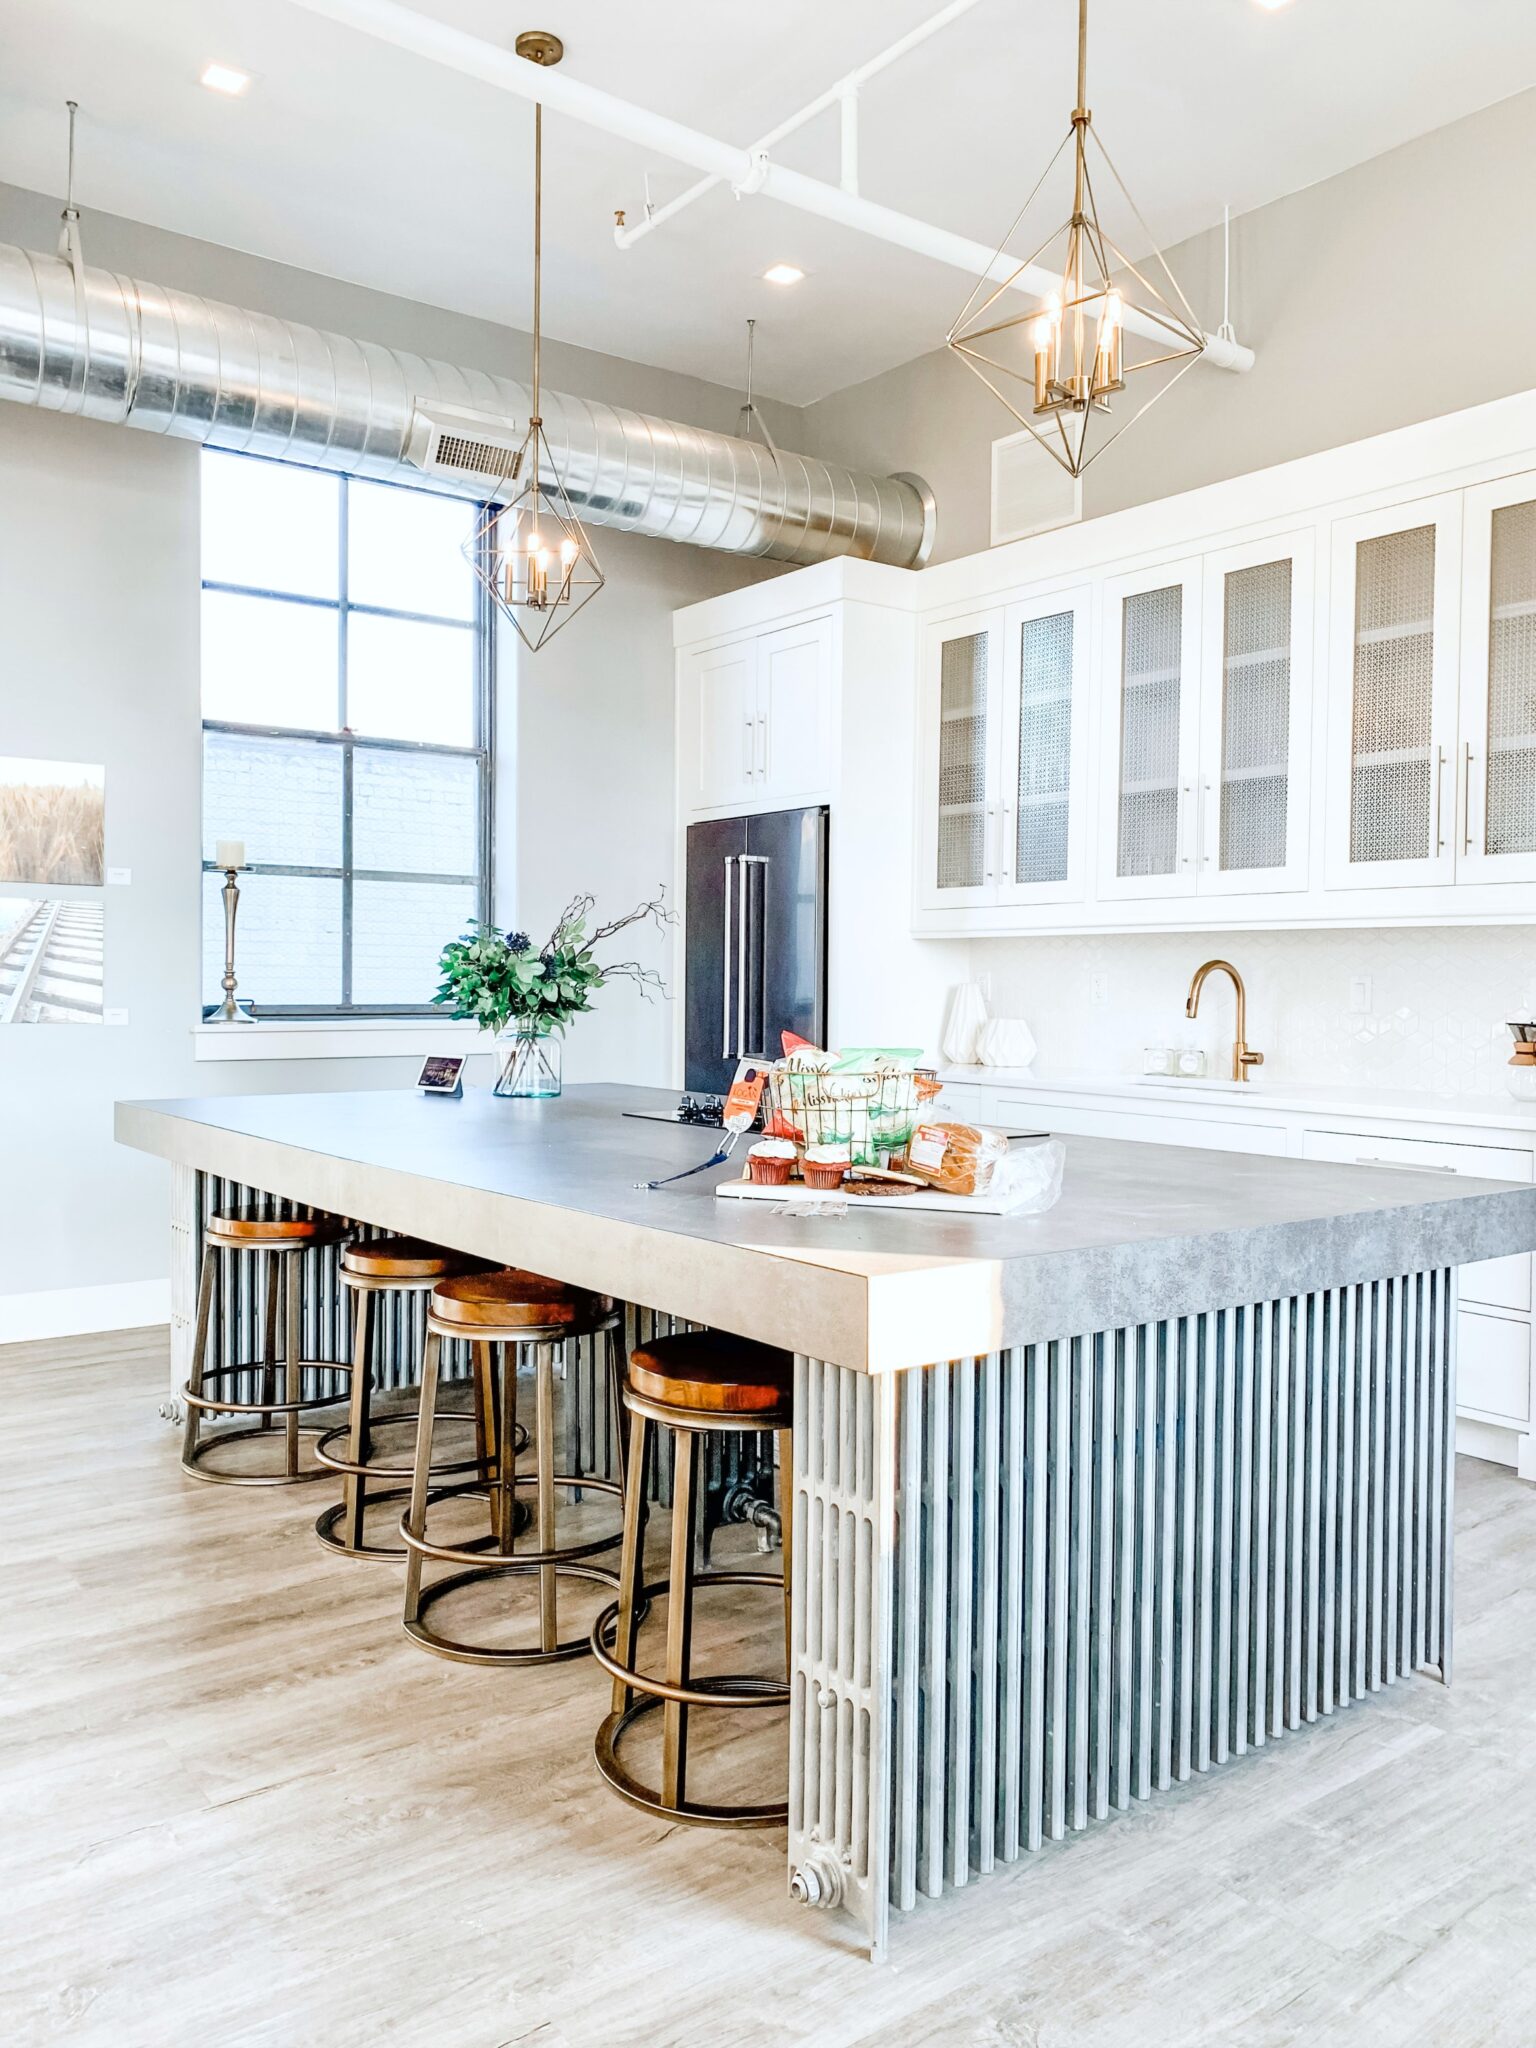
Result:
pixel 1180 1482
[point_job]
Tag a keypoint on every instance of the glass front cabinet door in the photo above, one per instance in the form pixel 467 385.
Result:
pixel 1394 654
pixel 959 853
pixel 1496 754
pixel 1255 698
pixel 1148 814
pixel 1042 740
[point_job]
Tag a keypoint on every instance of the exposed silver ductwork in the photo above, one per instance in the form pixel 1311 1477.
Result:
pixel 111 348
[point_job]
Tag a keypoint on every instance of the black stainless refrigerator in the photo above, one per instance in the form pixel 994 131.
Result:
pixel 756 938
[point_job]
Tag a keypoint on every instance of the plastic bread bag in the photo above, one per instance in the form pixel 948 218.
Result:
pixel 956 1158
pixel 1029 1179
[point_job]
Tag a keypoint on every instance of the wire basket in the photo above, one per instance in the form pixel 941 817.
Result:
pixel 872 1110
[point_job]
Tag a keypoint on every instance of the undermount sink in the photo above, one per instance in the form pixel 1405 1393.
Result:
pixel 1212 1084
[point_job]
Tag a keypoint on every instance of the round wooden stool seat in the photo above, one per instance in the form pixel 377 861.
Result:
pixel 507 1298
pixel 404 1258
pixel 250 1230
pixel 713 1373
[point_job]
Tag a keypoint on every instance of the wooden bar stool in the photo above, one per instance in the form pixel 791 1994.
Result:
pixel 369 1268
pixel 283 1240
pixel 690 1384
pixel 517 1313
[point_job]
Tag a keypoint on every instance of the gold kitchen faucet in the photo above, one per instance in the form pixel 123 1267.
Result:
pixel 1242 1058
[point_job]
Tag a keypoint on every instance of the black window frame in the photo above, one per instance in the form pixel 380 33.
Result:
pixel 483 750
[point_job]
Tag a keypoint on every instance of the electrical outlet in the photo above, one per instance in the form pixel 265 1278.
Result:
pixel 119 878
pixel 1360 995
pixel 114 1016
pixel 1098 990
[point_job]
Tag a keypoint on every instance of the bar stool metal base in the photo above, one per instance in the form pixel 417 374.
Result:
pixel 728 1690
pixel 199 1448
pixel 495 1556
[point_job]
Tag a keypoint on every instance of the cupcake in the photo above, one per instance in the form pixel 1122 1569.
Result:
pixel 770 1160
pixel 825 1165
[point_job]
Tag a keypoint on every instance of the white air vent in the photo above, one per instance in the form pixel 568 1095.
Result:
pixel 471 447
pixel 1030 492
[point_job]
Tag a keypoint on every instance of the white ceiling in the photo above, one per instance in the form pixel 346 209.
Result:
pixel 358 161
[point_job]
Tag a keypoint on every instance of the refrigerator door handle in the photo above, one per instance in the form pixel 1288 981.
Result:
pixel 762 956
pixel 743 893
pixel 725 966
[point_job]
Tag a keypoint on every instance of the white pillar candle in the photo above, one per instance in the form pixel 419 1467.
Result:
pixel 229 853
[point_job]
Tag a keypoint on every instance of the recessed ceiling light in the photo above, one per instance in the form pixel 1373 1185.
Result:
pixel 782 273
pixel 224 78
pixel 1272 6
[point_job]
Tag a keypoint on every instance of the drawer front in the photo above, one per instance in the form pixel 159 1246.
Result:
pixel 1426 1155
pixel 1208 1134
pixel 1499 1283
pixel 1493 1368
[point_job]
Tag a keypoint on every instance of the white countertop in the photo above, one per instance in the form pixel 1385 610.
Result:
pixel 1254 1098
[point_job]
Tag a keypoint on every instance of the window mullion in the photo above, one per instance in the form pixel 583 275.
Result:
pixel 342 721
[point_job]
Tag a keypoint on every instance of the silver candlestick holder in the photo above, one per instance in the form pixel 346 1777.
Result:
pixel 230 1011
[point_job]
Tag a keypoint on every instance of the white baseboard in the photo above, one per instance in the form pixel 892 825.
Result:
pixel 80 1311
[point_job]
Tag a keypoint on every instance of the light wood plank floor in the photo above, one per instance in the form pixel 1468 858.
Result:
pixel 238 1807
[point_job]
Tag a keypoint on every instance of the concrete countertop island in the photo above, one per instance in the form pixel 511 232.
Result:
pixel 1141 1231
pixel 1083 1503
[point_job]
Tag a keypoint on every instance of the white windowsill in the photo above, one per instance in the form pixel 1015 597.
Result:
pixel 330 1038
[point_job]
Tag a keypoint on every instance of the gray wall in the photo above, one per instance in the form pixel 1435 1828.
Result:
pixel 99 661
pixel 1346 290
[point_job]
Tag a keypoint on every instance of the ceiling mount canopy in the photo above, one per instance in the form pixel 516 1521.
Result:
pixel 1063 366
pixel 532 553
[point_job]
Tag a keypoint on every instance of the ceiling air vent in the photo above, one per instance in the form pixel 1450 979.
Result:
pixel 471 447
pixel 1030 492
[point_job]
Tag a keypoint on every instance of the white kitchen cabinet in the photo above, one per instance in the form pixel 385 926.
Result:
pixel 757 717
pixel 1496 757
pixel 1394 640
pixel 1150 754
pixel 1005 708
pixel 1207 674
pixel 1255 724
pixel 1043 743
pixel 1493 1369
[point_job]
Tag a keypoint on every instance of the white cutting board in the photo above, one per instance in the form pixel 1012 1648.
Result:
pixel 919 1198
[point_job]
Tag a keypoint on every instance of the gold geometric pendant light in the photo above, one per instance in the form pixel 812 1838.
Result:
pixel 1061 365
pixel 532 553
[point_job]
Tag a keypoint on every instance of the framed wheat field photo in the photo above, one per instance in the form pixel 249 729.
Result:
pixel 51 819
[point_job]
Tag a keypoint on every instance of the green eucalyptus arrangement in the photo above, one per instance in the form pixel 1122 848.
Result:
pixel 496 978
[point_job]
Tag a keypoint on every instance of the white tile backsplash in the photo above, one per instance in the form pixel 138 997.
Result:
pixel 1438 1002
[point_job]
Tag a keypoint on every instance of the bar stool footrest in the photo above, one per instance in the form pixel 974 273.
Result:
pixel 614 1773
pixel 479 1653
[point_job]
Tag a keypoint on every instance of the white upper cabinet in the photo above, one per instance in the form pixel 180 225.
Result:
pixel 1394 656
pixel 958 851
pixel 1256 697
pixel 757 718
pixel 1149 817
pixel 1005 706
pixel 793 755
pixel 1496 761
pixel 1043 750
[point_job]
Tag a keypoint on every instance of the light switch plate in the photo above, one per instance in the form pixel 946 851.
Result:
pixel 1360 995
pixel 119 877
pixel 114 1016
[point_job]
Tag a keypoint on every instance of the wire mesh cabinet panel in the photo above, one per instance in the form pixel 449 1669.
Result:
pixel 960 851
pixel 1496 757
pixel 1149 817
pixel 1255 717
pixel 1392 733
pixel 1044 721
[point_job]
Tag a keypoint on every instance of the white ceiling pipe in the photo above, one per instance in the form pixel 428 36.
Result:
pixel 744 170
pixel 845 92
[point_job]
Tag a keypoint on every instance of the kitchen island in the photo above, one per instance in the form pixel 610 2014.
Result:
pixel 1084 1502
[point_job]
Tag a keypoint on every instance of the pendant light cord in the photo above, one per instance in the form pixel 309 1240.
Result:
pixel 538 242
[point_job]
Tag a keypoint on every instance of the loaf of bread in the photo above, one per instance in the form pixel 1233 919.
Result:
pixel 957 1159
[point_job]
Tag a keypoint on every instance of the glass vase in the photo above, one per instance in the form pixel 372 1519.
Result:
pixel 530 1060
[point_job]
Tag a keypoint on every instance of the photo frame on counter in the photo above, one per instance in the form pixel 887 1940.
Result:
pixel 442 1073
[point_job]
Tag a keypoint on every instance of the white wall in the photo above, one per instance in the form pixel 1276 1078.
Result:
pixel 1439 1000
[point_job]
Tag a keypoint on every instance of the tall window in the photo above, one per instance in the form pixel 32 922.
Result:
pixel 346 735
